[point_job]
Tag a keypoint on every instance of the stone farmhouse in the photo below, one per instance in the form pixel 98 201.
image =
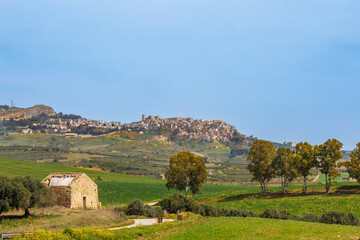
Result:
pixel 73 190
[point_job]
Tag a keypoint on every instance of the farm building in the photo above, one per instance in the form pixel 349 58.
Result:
pixel 160 176
pixel 73 190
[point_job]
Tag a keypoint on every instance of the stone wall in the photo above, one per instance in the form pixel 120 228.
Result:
pixel 62 195
pixel 84 187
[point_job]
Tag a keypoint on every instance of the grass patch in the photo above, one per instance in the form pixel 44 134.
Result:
pixel 342 198
pixel 58 218
pixel 219 228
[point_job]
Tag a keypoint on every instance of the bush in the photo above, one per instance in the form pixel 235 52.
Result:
pixel 238 213
pixel 138 208
pixel 177 202
pixel 276 214
pixel 310 218
pixel 211 211
pixel 335 217
pixel 135 207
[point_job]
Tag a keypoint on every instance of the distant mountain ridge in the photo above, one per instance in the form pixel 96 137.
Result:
pixel 7 113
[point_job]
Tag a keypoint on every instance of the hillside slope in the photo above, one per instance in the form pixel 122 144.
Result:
pixel 25 113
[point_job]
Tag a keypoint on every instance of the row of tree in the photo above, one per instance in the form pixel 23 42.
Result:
pixel 267 162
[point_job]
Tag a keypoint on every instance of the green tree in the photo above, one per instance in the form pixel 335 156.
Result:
pixel 13 195
pixel 304 160
pixel 186 172
pixel 260 157
pixel 353 165
pixel 23 193
pixel 329 153
pixel 283 165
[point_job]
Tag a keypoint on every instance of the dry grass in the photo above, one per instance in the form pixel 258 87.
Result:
pixel 58 218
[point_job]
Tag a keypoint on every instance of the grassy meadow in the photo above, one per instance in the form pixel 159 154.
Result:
pixel 115 188
pixel 118 189
pixel 58 218
pixel 297 203
pixel 216 228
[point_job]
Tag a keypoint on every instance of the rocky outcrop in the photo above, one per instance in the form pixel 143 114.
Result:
pixel 188 128
pixel 25 113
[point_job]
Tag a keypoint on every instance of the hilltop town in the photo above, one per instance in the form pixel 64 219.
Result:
pixel 188 128
pixel 43 119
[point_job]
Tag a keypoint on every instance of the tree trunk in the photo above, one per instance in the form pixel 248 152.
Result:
pixel 186 192
pixel 283 182
pixel 328 186
pixel 326 183
pixel 262 186
pixel 265 187
pixel 27 213
pixel 305 187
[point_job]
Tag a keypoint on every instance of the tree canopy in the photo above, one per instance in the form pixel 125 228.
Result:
pixel 186 171
pixel 304 160
pixel 260 158
pixel 23 193
pixel 283 165
pixel 329 153
pixel 353 165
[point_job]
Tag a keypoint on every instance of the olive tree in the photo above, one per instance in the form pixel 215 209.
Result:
pixel 23 193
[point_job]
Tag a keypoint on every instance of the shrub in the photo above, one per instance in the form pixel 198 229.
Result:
pixel 138 208
pixel 211 211
pixel 148 211
pixel 310 218
pixel 158 211
pixel 238 213
pixel 276 214
pixel 336 217
pixel 135 207
pixel 176 202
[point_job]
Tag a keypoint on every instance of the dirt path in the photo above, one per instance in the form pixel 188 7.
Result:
pixel 142 222
pixel 317 177
pixel 151 204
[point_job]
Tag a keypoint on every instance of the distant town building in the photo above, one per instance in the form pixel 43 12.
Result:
pixel 290 144
pixel 73 190
pixel 160 176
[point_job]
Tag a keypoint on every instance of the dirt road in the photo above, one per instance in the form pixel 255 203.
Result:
pixel 142 222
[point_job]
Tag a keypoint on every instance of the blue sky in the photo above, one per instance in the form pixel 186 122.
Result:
pixel 279 70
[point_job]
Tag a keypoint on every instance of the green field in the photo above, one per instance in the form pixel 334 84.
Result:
pixel 257 228
pixel 115 188
pixel 122 152
pixel 297 204
pixel 219 228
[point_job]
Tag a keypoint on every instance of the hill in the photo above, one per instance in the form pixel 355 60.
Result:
pixel 7 113
pixel 139 148
pixel 189 128
pixel 125 152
